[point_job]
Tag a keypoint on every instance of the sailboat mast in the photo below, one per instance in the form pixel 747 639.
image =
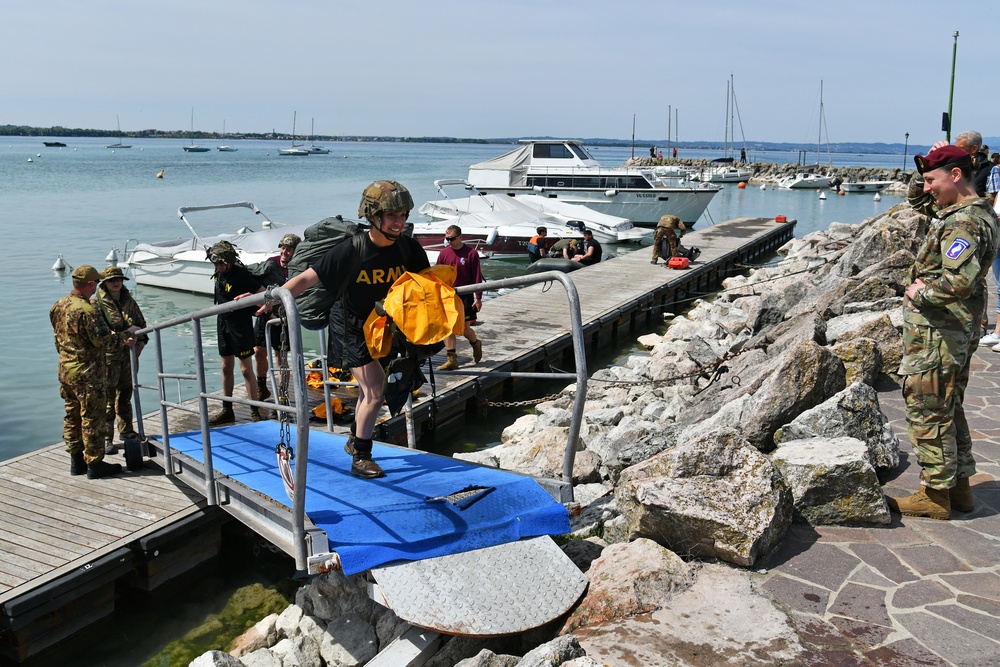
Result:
pixel 725 150
pixel 819 134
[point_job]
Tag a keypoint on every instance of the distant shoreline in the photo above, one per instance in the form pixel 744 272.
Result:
pixel 643 145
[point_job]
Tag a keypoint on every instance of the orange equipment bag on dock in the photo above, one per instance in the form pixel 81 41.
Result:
pixel 678 263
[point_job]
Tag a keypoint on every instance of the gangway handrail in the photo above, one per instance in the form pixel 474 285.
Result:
pixel 300 407
pixel 579 355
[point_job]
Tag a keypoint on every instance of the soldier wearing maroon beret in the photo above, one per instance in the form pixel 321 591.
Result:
pixel 942 311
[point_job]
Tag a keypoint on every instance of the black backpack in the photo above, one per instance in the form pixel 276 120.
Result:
pixel 314 304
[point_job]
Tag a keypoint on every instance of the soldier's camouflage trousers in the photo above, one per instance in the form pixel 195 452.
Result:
pixel 119 397
pixel 84 423
pixel 938 429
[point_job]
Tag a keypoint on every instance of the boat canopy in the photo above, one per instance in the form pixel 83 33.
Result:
pixel 503 171
pixel 263 241
pixel 722 160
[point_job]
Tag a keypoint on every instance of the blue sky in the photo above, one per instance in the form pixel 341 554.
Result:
pixel 502 69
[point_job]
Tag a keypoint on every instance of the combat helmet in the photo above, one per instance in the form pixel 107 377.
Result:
pixel 222 251
pixel 383 196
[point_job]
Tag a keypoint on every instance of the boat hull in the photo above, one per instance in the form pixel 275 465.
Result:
pixel 641 206
pixel 195 149
pixel 868 186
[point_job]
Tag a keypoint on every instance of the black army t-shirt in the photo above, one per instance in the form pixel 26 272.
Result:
pixel 379 269
pixel 229 285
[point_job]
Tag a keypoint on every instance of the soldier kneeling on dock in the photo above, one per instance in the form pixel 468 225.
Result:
pixel 667 241
pixel 82 338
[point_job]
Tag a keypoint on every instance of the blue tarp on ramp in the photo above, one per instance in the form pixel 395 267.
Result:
pixel 402 516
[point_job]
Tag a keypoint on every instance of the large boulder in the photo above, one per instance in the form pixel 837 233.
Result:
pixel 628 579
pixel 832 481
pixel 805 376
pixel 714 496
pixel 852 413
pixel 631 441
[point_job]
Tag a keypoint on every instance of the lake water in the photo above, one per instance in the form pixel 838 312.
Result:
pixel 82 200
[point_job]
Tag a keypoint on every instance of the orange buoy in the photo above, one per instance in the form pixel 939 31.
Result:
pixel 742 185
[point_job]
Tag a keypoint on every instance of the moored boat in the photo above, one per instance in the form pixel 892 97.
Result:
pixel 804 180
pixel 181 264
pixel 563 169
pixel 864 186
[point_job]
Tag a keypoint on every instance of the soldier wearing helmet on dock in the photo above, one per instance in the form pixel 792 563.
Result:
pixel 82 338
pixel 385 254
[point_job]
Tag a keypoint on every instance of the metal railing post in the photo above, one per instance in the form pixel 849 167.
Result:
pixel 206 437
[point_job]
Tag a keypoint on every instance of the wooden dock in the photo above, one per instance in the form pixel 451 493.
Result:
pixel 59 532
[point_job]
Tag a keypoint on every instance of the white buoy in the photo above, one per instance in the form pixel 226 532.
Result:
pixel 60 264
pixel 763 186
pixel 822 195
pixel 112 257
pixel 878 197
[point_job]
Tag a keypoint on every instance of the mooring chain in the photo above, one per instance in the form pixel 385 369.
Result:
pixel 521 404
pixel 714 370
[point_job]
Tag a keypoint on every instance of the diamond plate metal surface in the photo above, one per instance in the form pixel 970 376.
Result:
pixel 499 590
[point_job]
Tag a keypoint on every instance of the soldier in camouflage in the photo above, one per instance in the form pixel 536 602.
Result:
pixel 120 311
pixel 666 229
pixel 82 338
pixel 942 312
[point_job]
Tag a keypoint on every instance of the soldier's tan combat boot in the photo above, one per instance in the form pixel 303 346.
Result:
pixel 960 496
pixel 255 415
pixel 263 393
pixel 452 363
pixel 477 351
pixel 362 464
pixel 927 502
pixel 223 416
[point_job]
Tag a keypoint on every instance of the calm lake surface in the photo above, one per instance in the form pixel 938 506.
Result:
pixel 83 200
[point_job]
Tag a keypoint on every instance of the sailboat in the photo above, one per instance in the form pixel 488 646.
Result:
pixel 193 148
pixel 313 148
pixel 726 172
pixel 808 178
pixel 295 148
pixel 119 144
pixel 224 148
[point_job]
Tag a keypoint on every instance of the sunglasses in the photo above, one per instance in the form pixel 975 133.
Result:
pixel 449 239
pixel 114 280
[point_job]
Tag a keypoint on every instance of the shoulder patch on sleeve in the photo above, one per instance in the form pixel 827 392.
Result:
pixel 958 246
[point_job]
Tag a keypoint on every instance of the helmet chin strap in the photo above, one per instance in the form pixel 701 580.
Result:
pixel 387 235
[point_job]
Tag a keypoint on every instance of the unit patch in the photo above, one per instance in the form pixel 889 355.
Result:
pixel 958 246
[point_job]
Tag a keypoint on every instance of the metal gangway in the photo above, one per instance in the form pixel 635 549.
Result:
pixel 403 586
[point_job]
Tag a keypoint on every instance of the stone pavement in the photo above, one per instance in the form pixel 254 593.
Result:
pixel 915 592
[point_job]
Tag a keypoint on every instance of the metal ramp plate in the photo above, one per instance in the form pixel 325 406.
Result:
pixel 498 590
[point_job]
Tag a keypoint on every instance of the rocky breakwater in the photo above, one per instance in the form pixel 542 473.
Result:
pixel 754 410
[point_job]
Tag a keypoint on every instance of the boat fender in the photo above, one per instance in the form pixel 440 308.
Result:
pixel 610 192
pixel 678 263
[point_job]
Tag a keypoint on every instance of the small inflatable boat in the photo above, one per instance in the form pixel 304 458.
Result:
pixel 553 264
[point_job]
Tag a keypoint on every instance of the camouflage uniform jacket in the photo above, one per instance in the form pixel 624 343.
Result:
pixel 119 314
pixel 82 337
pixel 952 262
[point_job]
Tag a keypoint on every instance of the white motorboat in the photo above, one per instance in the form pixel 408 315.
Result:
pixel 181 264
pixel 864 186
pixel 723 174
pixel 563 169
pixel 537 210
pixel 805 179
pixel 495 225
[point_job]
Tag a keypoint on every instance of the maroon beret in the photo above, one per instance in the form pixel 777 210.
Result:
pixel 940 157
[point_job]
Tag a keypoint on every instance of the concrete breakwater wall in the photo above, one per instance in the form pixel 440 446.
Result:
pixel 770 172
